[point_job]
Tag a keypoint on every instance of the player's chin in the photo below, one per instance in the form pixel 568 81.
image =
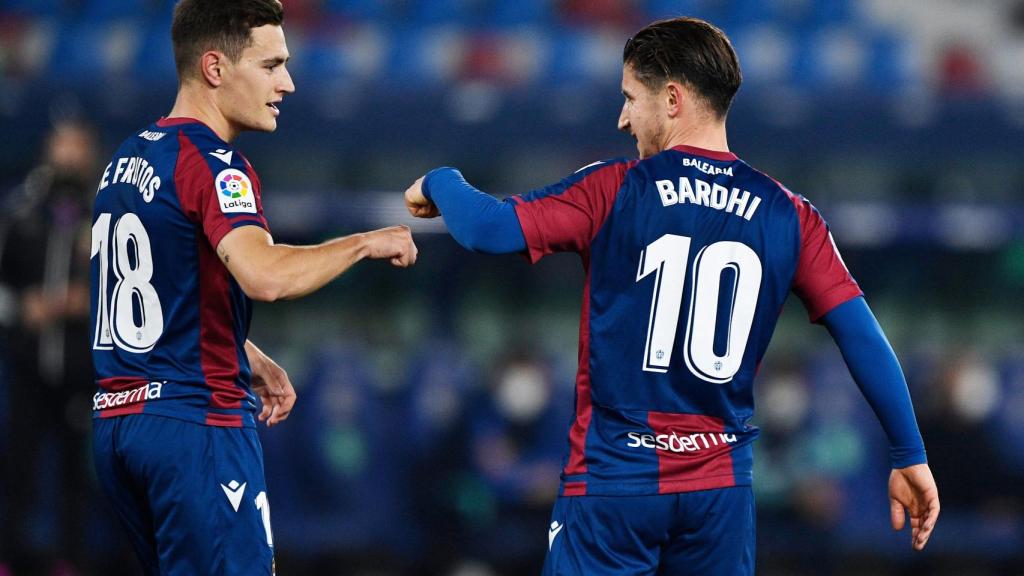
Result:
pixel 265 124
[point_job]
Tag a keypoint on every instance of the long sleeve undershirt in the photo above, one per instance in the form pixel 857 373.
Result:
pixel 877 372
pixel 478 221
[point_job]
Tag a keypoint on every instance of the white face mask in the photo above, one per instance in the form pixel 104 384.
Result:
pixel 522 392
pixel 976 392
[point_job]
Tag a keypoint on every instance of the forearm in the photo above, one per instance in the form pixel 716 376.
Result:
pixel 477 221
pixel 267 271
pixel 295 271
pixel 877 372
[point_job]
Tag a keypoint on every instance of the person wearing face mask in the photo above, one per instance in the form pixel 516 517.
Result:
pixel 689 254
pixel 44 271
pixel 514 426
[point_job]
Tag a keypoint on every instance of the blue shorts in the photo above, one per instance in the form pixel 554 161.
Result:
pixel 193 498
pixel 706 533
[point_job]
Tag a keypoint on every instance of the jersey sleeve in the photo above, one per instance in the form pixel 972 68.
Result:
pixel 218 189
pixel 822 280
pixel 565 217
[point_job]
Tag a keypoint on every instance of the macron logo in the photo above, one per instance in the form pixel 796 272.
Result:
pixel 234 493
pixel 223 155
pixel 553 532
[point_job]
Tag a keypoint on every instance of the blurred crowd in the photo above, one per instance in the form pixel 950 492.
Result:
pixel 433 406
pixel 954 45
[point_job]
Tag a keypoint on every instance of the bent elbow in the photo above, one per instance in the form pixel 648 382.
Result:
pixel 263 295
pixel 261 289
pixel 260 293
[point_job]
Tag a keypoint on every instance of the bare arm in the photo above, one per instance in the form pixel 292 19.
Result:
pixel 272 384
pixel 267 271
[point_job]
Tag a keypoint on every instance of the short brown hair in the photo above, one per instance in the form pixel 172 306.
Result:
pixel 225 25
pixel 690 51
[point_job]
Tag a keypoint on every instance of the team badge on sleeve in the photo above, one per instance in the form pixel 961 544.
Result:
pixel 235 192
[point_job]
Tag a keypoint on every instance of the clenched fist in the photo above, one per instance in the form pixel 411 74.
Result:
pixel 394 244
pixel 418 204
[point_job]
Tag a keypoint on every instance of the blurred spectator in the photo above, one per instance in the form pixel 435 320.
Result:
pixel 442 492
pixel 612 13
pixel 961 71
pixel 974 478
pixel 45 243
pixel 517 429
pixel 338 462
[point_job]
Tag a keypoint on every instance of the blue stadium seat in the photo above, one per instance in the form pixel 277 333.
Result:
pixel 831 11
pixel 154 61
pixel 416 52
pixel 748 12
pixel 34 7
pixel 442 12
pixel 568 55
pixel 322 58
pixel 103 10
pixel 657 9
pixel 78 54
pixel 887 67
pixel 360 10
pixel 521 12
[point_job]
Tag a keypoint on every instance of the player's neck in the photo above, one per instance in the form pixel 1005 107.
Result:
pixel 195 103
pixel 707 136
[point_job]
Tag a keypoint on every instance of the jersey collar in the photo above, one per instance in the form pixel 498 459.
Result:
pixel 165 121
pixel 712 154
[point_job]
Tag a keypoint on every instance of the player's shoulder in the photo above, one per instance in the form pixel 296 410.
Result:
pixel 199 146
pixel 606 164
pixel 770 187
pixel 611 170
pixel 205 140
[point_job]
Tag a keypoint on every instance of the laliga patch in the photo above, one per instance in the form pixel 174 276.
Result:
pixel 235 192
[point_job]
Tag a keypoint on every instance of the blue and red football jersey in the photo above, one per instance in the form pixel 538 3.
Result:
pixel 169 322
pixel 689 257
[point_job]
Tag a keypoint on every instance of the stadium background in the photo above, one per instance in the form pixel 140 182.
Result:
pixel 433 402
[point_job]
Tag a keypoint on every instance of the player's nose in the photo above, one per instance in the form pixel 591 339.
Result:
pixel 623 120
pixel 287 84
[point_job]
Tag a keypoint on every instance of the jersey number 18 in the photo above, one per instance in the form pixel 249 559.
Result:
pixel 133 319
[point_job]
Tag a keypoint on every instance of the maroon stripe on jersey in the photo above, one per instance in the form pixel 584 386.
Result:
pixel 694 452
pixel 218 350
pixel 124 410
pixel 167 122
pixel 568 219
pixel 226 420
pixel 574 489
pixel 126 393
pixel 577 463
pixel 821 281
pixel 120 383
pixel 712 154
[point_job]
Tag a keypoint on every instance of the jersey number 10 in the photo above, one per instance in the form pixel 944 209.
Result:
pixel 667 258
pixel 133 318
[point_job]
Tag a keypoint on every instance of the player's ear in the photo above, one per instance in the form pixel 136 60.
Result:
pixel 212 67
pixel 673 95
